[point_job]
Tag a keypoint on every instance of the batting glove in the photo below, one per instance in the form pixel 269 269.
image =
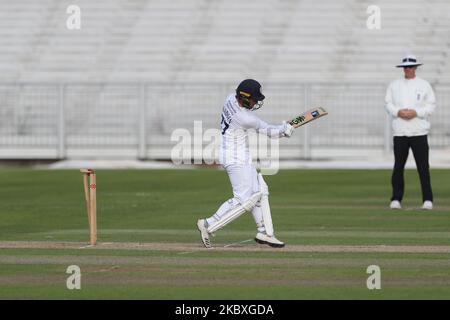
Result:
pixel 288 129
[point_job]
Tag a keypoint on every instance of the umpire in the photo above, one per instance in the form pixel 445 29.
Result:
pixel 410 101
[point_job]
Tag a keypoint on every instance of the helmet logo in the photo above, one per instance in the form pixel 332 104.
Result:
pixel 245 94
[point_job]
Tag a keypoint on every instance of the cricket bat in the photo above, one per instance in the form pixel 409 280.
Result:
pixel 308 116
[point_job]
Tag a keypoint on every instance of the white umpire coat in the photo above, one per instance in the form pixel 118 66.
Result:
pixel 414 94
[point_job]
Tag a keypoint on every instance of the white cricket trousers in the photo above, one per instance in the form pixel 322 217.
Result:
pixel 244 181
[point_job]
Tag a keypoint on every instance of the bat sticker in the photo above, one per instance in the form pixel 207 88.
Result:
pixel 308 116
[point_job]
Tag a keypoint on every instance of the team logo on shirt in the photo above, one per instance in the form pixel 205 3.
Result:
pixel 419 95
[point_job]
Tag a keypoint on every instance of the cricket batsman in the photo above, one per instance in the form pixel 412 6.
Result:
pixel 250 192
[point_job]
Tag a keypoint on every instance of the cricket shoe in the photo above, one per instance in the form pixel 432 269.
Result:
pixel 202 227
pixel 427 205
pixel 395 204
pixel 263 238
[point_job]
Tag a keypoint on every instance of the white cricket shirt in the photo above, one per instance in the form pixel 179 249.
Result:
pixel 235 123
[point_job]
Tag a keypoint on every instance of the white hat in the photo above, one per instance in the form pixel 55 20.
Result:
pixel 409 61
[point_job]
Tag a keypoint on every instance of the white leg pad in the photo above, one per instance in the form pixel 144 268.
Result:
pixel 235 212
pixel 263 187
pixel 265 207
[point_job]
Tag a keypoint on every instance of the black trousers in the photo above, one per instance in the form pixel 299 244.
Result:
pixel 419 147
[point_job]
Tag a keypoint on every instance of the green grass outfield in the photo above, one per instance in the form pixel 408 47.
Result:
pixel 320 214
